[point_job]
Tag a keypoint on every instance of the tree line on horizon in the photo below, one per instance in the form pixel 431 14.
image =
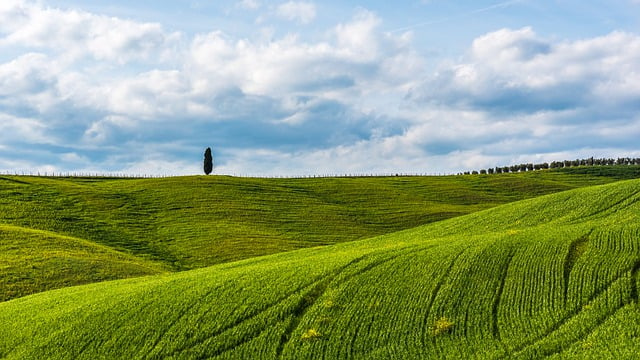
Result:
pixel 554 165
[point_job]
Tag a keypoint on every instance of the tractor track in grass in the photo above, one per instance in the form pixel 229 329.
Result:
pixel 589 331
pixel 409 249
pixel 576 249
pixel 181 315
pixel 436 290
pixel 569 316
pixel 616 206
pixel 115 325
pixel 247 318
pixel 308 299
pixel 495 329
pixel 305 304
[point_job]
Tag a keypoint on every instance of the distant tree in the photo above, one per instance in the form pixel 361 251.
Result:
pixel 208 161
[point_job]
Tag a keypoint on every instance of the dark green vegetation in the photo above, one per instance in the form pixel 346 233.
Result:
pixel 553 275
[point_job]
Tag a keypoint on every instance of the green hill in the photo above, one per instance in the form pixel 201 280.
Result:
pixel 552 276
pixel 193 222
pixel 190 222
pixel 34 260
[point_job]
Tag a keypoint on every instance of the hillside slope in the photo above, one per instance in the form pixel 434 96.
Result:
pixel 34 260
pixel 191 222
pixel 552 276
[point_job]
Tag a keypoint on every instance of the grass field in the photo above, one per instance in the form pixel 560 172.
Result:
pixel 193 222
pixel 553 275
pixel 36 260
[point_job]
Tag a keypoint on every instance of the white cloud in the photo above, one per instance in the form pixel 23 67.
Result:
pixel 22 130
pixel 357 100
pixel 517 70
pixel 355 53
pixel 30 73
pixel 302 12
pixel 359 39
pixel 76 33
pixel 250 4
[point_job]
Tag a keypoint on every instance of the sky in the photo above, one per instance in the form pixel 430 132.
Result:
pixel 294 88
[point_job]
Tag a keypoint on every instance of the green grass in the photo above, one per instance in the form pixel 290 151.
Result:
pixel 554 276
pixel 36 260
pixel 193 222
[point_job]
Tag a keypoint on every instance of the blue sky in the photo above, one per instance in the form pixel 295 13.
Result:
pixel 304 87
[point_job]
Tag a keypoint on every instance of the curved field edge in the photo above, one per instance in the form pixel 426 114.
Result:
pixel 32 261
pixel 554 276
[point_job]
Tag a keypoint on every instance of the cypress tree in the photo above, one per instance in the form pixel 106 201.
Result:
pixel 208 161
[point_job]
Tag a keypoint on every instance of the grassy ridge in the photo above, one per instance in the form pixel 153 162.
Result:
pixel 552 276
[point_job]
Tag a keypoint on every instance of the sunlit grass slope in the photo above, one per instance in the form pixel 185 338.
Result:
pixel 35 260
pixel 191 222
pixel 552 276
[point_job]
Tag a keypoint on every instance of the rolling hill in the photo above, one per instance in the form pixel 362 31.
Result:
pixel 132 227
pixel 37 260
pixel 552 276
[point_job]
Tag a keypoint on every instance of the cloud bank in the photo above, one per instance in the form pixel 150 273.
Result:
pixel 86 92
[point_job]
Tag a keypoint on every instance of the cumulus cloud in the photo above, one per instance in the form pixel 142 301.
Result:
pixel 301 12
pixel 96 93
pixel 519 71
pixel 538 96
pixel 77 33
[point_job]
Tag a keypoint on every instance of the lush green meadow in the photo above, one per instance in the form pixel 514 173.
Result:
pixel 553 275
pixel 36 260
pixel 192 222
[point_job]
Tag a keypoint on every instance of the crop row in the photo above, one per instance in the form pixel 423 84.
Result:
pixel 545 277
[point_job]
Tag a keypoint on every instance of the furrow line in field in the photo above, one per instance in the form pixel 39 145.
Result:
pixel 182 313
pixel 436 290
pixel 565 319
pixel 115 325
pixel 620 204
pixel 576 249
pixel 300 310
pixel 587 332
pixel 316 289
pixel 496 302
pixel 243 320
pixel 369 267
